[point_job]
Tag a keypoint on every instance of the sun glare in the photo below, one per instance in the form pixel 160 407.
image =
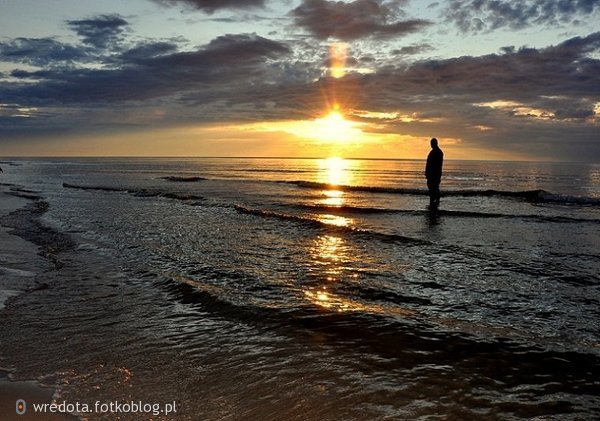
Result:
pixel 334 127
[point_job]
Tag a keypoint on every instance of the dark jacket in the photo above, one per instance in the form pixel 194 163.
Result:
pixel 435 160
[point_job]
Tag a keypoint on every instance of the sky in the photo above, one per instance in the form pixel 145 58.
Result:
pixel 491 79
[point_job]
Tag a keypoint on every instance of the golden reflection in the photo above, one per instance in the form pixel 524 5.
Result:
pixel 328 247
pixel 330 301
pixel 336 220
pixel 327 300
pixel 333 197
pixel 334 259
pixel 337 171
pixel 329 252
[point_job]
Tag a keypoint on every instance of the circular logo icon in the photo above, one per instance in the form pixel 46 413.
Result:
pixel 21 406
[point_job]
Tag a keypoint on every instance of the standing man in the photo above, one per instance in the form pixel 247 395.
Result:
pixel 433 173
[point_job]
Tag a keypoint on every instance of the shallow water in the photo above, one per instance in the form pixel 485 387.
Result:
pixel 316 289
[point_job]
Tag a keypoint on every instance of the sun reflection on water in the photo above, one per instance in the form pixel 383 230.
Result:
pixel 333 198
pixel 328 254
pixel 325 299
pixel 336 171
pixel 336 263
pixel 337 220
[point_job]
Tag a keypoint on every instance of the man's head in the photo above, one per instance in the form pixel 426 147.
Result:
pixel 434 143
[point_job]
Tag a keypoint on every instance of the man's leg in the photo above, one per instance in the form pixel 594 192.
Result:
pixel 431 187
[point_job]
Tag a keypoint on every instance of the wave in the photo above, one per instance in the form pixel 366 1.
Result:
pixel 273 170
pixel 347 209
pixel 539 268
pixel 538 196
pixel 314 223
pixel 178 179
pixel 567 199
pixel 409 341
pixel 137 192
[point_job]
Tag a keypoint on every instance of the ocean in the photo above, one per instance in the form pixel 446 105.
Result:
pixel 308 289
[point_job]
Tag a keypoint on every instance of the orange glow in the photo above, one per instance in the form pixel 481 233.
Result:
pixel 331 129
pixel 335 170
pixel 334 127
pixel 338 221
pixel 333 198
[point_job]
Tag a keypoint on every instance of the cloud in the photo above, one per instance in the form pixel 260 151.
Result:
pixel 357 19
pixel 481 15
pixel 151 70
pixel 539 102
pixel 524 74
pixel 147 50
pixel 210 6
pixel 411 50
pixel 39 52
pixel 101 31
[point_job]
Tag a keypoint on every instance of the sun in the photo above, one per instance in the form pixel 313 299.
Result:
pixel 331 129
pixel 334 127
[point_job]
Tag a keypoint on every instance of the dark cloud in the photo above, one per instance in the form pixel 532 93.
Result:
pixel 357 19
pixel 147 50
pixel 39 52
pixel 525 100
pixel 411 50
pixel 480 15
pixel 101 31
pixel 150 71
pixel 525 74
pixel 211 5
pixel 538 102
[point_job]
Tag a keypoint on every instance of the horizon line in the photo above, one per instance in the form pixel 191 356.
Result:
pixel 272 157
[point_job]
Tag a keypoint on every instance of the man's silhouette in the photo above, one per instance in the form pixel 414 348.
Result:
pixel 433 172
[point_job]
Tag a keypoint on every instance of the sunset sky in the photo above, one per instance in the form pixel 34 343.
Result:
pixel 491 79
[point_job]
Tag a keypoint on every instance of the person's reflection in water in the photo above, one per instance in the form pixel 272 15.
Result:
pixel 433 173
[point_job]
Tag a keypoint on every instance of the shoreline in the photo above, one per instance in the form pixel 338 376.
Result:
pixel 20 260
pixel 20 264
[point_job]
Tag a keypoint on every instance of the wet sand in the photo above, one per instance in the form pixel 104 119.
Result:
pixel 32 393
pixel 19 259
pixel 19 263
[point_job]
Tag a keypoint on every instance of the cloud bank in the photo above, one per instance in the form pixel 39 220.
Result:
pixel 541 102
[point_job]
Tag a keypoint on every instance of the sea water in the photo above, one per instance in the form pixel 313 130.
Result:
pixel 312 288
